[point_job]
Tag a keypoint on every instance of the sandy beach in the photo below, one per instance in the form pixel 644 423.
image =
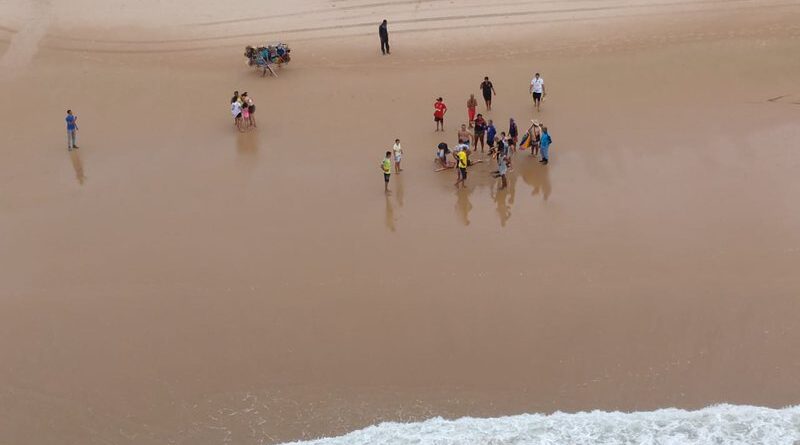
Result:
pixel 175 281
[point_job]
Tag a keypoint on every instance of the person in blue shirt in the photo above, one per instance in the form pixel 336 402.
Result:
pixel 72 130
pixel 491 133
pixel 544 146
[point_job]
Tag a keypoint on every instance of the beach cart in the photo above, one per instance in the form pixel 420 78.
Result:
pixel 264 58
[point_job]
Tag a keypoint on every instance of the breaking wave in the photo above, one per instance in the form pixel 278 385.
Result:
pixel 715 425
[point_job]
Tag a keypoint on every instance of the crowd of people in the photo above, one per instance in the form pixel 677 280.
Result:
pixel 480 132
pixel 243 110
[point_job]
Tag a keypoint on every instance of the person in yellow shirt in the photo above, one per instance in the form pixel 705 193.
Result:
pixel 462 168
pixel 386 166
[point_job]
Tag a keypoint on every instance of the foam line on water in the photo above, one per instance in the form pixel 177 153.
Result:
pixel 715 425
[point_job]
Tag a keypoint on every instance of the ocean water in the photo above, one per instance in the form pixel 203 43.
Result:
pixel 715 425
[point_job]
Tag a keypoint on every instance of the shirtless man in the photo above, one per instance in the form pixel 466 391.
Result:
pixel 464 135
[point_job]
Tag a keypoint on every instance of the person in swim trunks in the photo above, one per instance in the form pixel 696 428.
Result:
pixel 487 88
pixel 439 110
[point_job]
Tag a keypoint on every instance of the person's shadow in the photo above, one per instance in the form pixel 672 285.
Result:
pixel 538 177
pixel 463 204
pixel 77 165
pixel 398 194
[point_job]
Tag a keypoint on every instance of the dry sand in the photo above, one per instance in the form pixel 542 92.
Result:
pixel 176 282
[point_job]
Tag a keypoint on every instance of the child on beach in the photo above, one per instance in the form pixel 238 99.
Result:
pixel 236 111
pixel 398 155
pixel 386 167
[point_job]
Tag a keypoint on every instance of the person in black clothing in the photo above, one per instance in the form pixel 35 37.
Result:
pixel 488 89
pixel 383 32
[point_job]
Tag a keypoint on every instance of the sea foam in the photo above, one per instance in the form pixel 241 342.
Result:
pixel 715 425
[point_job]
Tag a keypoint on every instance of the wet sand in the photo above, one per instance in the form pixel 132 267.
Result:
pixel 174 281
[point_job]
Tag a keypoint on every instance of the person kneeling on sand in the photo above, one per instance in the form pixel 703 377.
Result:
pixel 441 157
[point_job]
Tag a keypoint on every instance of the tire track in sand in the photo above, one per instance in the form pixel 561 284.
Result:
pixel 25 42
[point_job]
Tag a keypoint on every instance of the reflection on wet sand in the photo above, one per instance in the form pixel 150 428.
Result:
pixel 77 164
pixel 390 220
pixel 503 207
pixel 247 143
pixel 398 196
pixel 538 177
pixel 463 205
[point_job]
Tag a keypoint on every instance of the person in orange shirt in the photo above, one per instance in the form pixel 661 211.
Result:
pixel 439 110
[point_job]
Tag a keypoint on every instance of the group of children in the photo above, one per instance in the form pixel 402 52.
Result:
pixel 243 110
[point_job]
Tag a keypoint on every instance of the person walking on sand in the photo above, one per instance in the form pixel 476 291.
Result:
pixel 386 167
pixel 488 90
pixel 251 109
pixel 472 106
pixel 480 132
pixel 72 130
pixel 545 146
pixel 462 168
pixel 383 33
pixel 537 90
pixel 439 110
pixel 398 155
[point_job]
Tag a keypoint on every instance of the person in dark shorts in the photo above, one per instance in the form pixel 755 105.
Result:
pixel 383 33
pixel 488 90
pixel 480 132
pixel 439 110
pixel 462 168
pixel 537 90
pixel 386 166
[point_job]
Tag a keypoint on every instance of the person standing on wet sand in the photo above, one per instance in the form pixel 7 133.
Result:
pixel 439 110
pixel 398 155
pixel 383 33
pixel 491 133
pixel 247 102
pixel 537 90
pixel 236 112
pixel 462 168
pixel 480 132
pixel 72 130
pixel 472 106
pixel 386 166
pixel 464 136
pixel 488 90
pixel 544 146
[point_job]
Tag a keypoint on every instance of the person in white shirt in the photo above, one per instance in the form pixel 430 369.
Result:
pixel 236 112
pixel 537 89
pixel 398 155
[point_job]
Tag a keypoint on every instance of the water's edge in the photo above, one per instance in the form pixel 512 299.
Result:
pixel 718 425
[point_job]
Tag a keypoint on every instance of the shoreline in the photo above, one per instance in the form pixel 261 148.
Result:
pixel 174 272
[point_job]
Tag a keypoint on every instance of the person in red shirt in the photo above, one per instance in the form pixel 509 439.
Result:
pixel 439 110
